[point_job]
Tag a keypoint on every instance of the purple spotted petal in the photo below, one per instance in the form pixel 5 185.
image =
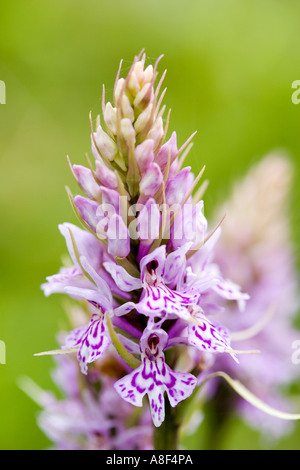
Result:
pixel 180 386
pixel 132 387
pixel 92 340
pixel 160 300
pixel 154 377
pixel 207 336
pixel 230 291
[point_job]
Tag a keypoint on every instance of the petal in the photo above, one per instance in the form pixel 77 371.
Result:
pixel 230 291
pixel 169 148
pixel 178 187
pixel 131 387
pixel 88 211
pixel 106 176
pixel 144 379
pixel 160 300
pixel 208 336
pixel 124 309
pixel 86 181
pixel 151 181
pixel 153 328
pixel 124 281
pixel 189 225
pixel 105 144
pixel 144 155
pixel 93 341
pixel 86 244
pixel 100 283
pixel 175 265
pixel 73 339
pixel 202 283
pixel 204 255
pixel 178 385
pixel 91 295
pixel 110 201
pixel 157 405
pixel 158 255
pixel 66 277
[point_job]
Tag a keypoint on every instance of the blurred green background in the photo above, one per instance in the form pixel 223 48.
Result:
pixel 230 67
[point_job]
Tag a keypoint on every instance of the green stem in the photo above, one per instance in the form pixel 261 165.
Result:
pixel 166 436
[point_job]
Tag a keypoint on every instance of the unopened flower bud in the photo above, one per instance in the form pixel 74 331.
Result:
pixel 169 149
pixel 105 175
pixel 111 198
pixel 148 74
pixel 126 108
pixel 144 155
pixel 151 181
pixel 157 131
pixel 106 145
pixel 139 71
pixel 110 118
pixel 178 187
pixel 86 181
pixel 143 119
pixel 143 97
pixel 118 90
pixel 127 131
pixel 133 84
pixel 88 211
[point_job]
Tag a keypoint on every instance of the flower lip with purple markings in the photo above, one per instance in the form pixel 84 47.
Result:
pixel 154 377
pixel 157 270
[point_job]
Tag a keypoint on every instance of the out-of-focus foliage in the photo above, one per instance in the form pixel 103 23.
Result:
pixel 231 65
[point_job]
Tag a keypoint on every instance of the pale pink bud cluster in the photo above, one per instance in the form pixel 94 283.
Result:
pixel 133 164
pixel 134 118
